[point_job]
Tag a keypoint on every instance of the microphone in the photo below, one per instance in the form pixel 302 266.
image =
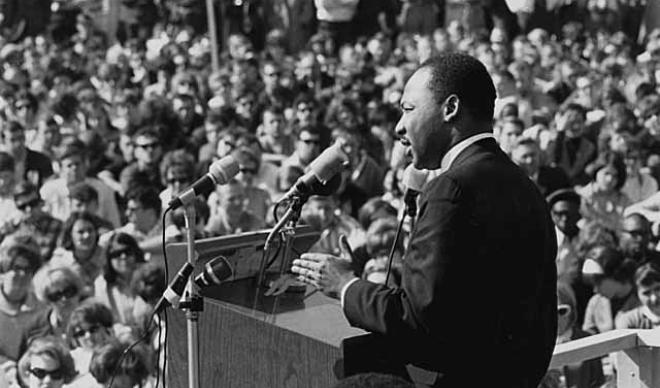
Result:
pixel 175 289
pixel 321 171
pixel 215 271
pixel 414 181
pixel 220 172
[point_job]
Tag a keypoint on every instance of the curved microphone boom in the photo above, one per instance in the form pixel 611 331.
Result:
pixel 220 172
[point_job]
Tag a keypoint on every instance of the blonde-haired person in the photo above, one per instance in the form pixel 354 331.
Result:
pixel 46 363
pixel 60 289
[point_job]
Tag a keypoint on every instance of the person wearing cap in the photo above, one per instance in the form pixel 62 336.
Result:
pixel 565 211
pixel 34 221
pixel 612 277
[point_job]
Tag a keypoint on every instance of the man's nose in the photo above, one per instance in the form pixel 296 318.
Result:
pixel 400 129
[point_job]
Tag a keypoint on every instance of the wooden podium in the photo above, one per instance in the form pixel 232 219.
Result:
pixel 247 339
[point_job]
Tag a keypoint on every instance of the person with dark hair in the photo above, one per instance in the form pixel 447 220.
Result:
pixel 79 248
pixel 83 197
pixel 571 150
pixel 646 316
pixel 602 199
pixel 148 154
pixel 143 208
pixel 73 163
pixel 177 171
pixel 272 134
pixel 635 239
pixel 565 211
pixel 612 277
pixel 113 286
pixel 468 214
pixel 129 370
pixel 30 165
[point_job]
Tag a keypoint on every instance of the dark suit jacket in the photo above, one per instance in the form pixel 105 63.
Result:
pixel 38 167
pixel 478 296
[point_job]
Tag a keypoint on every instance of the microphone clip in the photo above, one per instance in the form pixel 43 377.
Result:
pixel 194 303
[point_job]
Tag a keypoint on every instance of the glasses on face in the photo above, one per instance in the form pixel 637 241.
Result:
pixel 80 332
pixel 65 294
pixel 563 309
pixel 561 213
pixel 272 74
pixel 148 145
pixel 31 204
pixel 124 253
pixel 42 373
pixel 181 181
pixel 311 141
pixel 635 233
pixel 247 170
pixel 305 109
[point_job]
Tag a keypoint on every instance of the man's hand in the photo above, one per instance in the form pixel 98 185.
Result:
pixel 326 272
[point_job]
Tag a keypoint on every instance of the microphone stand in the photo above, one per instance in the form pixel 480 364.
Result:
pixel 192 303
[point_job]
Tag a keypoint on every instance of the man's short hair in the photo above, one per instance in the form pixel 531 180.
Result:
pixel 146 196
pixel 575 108
pixel 647 274
pixel 74 147
pixel 465 76
pixel 83 192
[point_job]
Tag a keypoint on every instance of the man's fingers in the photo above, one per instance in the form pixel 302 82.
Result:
pixel 316 257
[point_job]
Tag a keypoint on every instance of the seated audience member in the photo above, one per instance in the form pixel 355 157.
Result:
pixel 266 177
pixel 571 150
pixel 646 316
pixel 380 237
pixel 132 370
pixel 144 170
pixel 60 289
pixel 35 167
pixel 525 153
pixel 46 363
pixel 177 231
pixel 113 286
pixel 19 260
pixel 307 148
pixel 602 199
pixel 639 185
pixel 258 199
pixel 148 284
pixel 80 250
pixel 7 206
pixel 635 239
pixel 374 209
pixel 232 214
pixel 373 380
pixel 143 209
pixel 274 139
pixel 90 327
pixel 612 277
pixel 363 177
pixel 177 170
pixel 565 211
pixel 84 198
pixel 320 212
pixel 73 169
pixel 507 132
pixel 34 221
pixel 585 374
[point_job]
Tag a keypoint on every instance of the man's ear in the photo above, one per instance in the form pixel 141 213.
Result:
pixel 450 107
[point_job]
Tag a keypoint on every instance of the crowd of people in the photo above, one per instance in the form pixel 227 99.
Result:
pixel 100 129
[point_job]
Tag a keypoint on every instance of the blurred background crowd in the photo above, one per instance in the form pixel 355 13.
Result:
pixel 110 108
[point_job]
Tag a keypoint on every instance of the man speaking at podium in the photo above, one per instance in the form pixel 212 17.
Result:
pixel 477 302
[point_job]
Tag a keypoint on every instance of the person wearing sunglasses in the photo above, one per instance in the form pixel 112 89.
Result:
pixel 113 286
pixel 258 199
pixel 34 221
pixel 148 153
pixel 585 374
pixel 177 171
pixel 60 289
pixel 90 327
pixel 19 260
pixel 47 363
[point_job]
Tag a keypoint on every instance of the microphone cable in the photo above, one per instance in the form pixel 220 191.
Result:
pixel 393 248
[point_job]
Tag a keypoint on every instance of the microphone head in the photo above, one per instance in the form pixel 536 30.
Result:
pixel 327 188
pixel 215 272
pixel 414 179
pixel 224 170
pixel 329 163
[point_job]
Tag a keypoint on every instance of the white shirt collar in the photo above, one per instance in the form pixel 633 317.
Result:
pixel 454 151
